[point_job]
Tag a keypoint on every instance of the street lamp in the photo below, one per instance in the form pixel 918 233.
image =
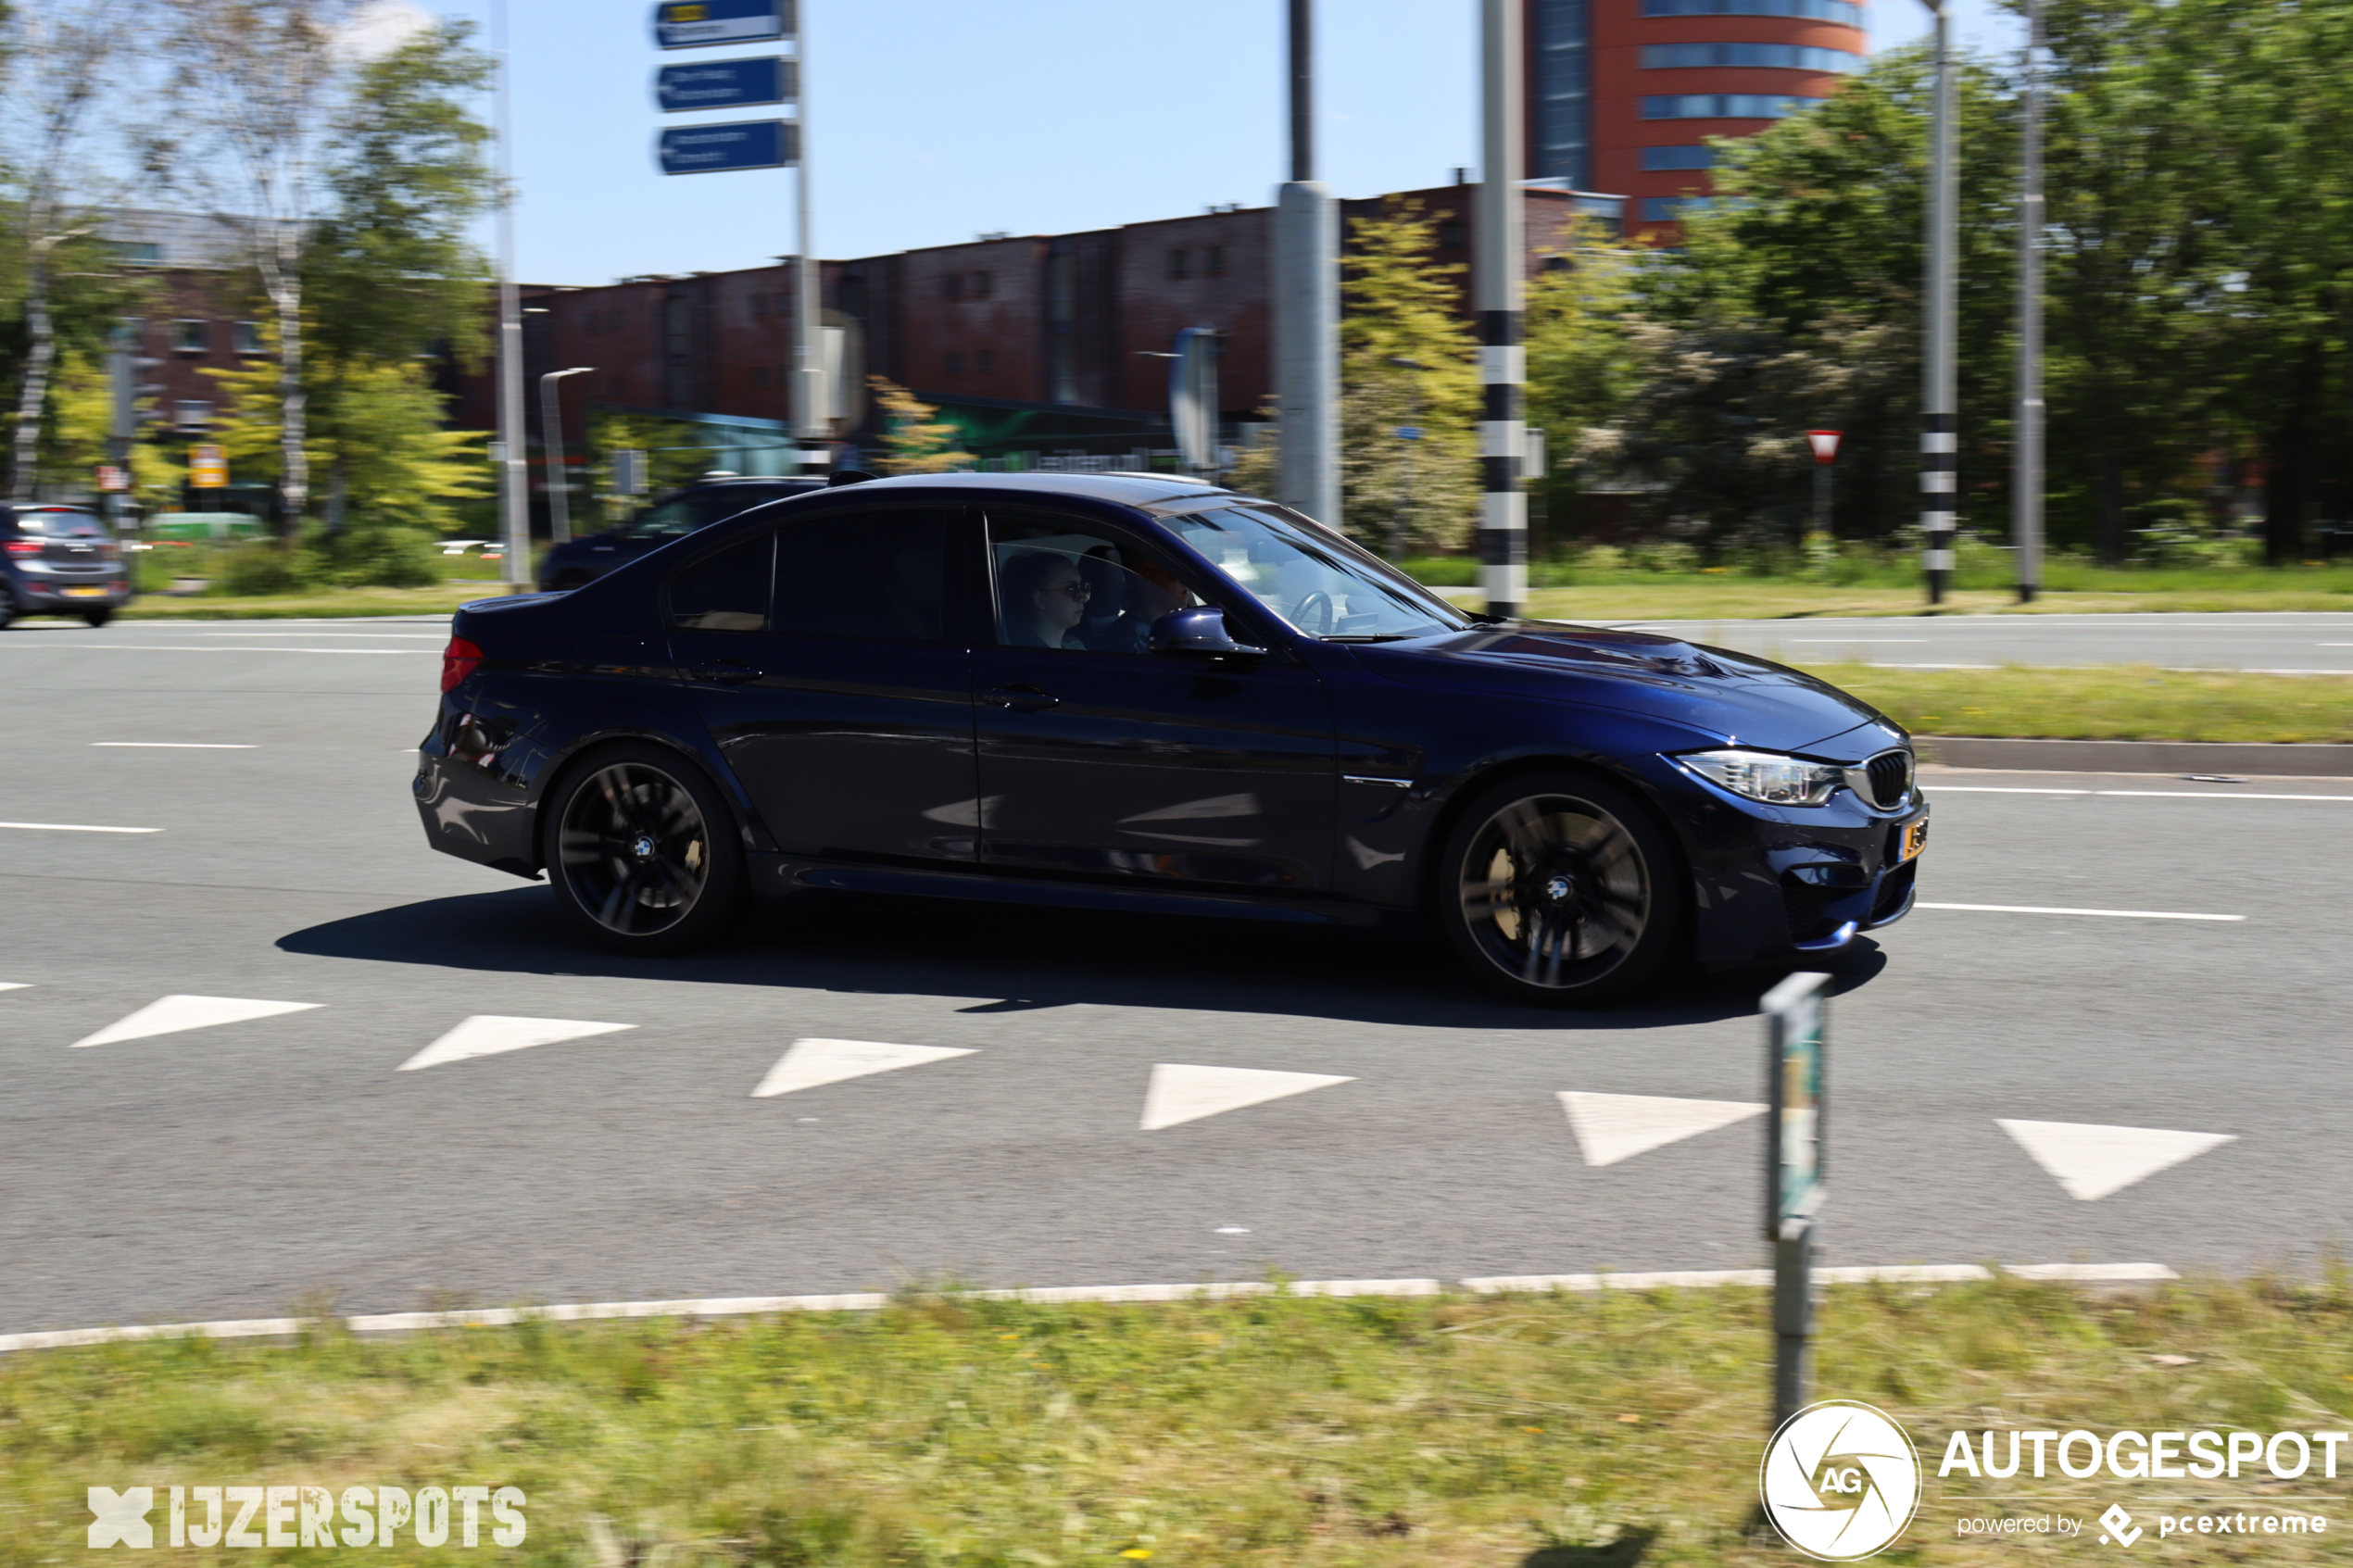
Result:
pixel 514 503
pixel 1499 286
pixel 551 415
pixel 1940 441
pixel 2026 478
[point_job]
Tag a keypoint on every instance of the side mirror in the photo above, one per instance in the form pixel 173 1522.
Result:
pixel 1199 630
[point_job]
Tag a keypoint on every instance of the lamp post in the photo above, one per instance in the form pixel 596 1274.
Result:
pixel 1498 290
pixel 1307 304
pixel 2026 477
pixel 810 413
pixel 1940 441
pixel 514 498
pixel 1825 445
pixel 551 416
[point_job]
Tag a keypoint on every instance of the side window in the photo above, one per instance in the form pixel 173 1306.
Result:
pixel 865 574
pixel 725 591
pixel 1061 584
pixel 672 519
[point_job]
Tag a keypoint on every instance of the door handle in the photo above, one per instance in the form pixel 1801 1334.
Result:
pixel 725 672
pixel 1021 699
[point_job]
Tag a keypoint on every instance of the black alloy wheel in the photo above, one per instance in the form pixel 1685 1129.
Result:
pixel 641 851
pixel 98 618
pixel 1559 889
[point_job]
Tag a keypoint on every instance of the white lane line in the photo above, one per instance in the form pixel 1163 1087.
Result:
pixel 2127 794
pixel 493 1034
pixel 812 1063
pixel 171 1015
pixel 177 744
pixel 369 636
pixel 1609 1128
pixel 2244 670
pixel 1797 641
pixel 1877 666
pixel 874 1300
pixel 1179 1093
pixel 2090 1162
pixel 2039 909
pixel 207 647
pixel 1998 789
pixel 71 827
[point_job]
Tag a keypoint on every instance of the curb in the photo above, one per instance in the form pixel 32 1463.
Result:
pixel 868 1302
pixel 2301 761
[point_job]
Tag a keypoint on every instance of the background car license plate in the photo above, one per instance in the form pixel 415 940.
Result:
pixel 1912 840
pixel 85 593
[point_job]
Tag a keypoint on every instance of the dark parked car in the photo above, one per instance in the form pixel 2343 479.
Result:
pixel 1129 693
pixel 60 561
pixel 578 563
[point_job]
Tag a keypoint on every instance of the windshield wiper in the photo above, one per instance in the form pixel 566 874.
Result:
pixel 1386 636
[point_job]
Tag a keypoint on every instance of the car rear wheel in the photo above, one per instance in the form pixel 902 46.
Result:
pixel 1558 888
pixel 642 851
pixel 98 617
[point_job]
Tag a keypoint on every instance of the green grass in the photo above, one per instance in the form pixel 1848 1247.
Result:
pixel 438 599
pixel 1517 1431
pixel 2112 702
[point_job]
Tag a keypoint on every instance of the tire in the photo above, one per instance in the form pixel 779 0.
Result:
pixel 642 851
pixel 7 609
pixel 98 618
pixel 1558 888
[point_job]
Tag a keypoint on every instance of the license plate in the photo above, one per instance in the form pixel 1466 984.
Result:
pixel 1913 839
pixel 85 593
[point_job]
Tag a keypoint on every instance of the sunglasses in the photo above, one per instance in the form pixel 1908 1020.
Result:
pixel 1078 590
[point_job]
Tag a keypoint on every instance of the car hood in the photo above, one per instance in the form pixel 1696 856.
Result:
pixel 1733 698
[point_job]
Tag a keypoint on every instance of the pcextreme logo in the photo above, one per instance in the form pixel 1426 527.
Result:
pixel 1840 1481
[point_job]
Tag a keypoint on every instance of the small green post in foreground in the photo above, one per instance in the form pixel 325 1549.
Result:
pixel 1794 1017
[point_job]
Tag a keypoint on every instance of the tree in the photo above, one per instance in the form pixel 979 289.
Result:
pixel 1584 364
pixel 1406 363
pixel 263 76
pixel 917 442
pixel 62 56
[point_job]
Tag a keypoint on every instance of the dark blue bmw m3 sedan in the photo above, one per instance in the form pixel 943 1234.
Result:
pixel 1140 692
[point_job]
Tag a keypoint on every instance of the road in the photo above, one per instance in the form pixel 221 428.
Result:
pixel 235 1169
pixel 2301 643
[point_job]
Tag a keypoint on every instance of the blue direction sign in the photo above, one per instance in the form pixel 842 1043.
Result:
pixel 725 84
pixel 694 24
pixel 710 149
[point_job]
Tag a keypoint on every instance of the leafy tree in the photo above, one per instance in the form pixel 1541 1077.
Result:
pixel 1583 362
pixel 83 402
pixel 1406 361
pixel 917 442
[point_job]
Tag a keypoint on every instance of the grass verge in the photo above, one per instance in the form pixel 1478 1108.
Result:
pixel 1514 1431
pixel 438 599
pixel 2110 702
pixel 1732 599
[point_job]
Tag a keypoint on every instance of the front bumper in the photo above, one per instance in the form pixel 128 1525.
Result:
pixel 1776 882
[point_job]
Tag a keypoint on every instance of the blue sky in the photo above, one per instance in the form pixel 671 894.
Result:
pixel 933 120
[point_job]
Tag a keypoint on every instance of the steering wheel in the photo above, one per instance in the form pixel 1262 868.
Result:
pixel 1314 613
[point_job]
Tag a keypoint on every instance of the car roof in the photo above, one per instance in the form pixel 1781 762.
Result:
pixel 1133 489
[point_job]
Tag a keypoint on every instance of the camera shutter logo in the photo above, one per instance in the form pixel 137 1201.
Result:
pixel 1840 1481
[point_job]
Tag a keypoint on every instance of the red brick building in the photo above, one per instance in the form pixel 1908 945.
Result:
pixel 1036 345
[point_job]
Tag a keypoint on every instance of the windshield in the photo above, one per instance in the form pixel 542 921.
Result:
pixel 60 524
pixel 1311 578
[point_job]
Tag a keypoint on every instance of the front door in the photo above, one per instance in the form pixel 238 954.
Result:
pixel 1099 758
pixel 829 658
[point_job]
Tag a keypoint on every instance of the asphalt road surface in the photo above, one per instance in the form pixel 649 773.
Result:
pixel 2010 1081
pixel 2301 643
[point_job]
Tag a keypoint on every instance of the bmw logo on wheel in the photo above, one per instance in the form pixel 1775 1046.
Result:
pixel 1840 1481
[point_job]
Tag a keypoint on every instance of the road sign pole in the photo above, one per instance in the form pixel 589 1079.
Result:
pixel 1795 1144
pixel 1306 305
pixel 551 415
pixel 514 492
pixel 810 423
pixel 2026 505
pixel 1940 419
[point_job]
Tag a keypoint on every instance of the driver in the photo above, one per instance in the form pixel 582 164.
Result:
pixel 1152 592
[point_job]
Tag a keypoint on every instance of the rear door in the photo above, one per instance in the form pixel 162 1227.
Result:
pixel 830 658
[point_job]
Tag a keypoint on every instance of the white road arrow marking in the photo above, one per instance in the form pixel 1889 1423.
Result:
pixel 172 1014
pixel 1187 1094
pixel 1613 1127
pixel 811 1063
pixel 2091 1161
pixel 488 1034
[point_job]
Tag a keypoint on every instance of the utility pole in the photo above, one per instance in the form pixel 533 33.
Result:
pixel 2026 477
pixel 1498 293
pixel 809 414
pixel 1306 305
pixel 551 416
pixel 1939 424
pixel 514 474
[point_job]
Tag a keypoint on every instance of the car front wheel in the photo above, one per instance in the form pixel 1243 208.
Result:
pixel 1558 887
pixel 98 617
pixel 642 851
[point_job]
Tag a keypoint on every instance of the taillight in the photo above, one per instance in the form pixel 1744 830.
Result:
pixel 459 659
pixel 25 547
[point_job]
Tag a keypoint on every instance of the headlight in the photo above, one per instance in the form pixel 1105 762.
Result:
pixel 1768 776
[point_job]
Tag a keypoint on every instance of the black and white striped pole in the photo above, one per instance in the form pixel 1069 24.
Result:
pixel 1498 289
pixel 1940 435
